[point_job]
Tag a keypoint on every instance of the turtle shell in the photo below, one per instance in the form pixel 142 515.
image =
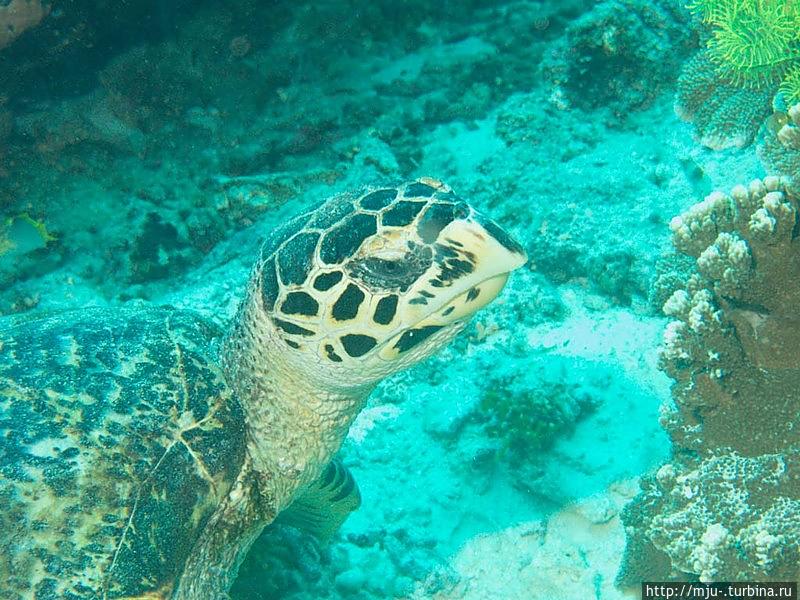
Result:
pixel 118 438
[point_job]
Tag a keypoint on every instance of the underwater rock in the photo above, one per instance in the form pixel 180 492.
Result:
pixel 724 115
pixel 446 423
pixel 351 581
pixel 617 273
pixel 527 119
pixel 618 55
pixel 151 84
pixel 88 119
pixel 158 251
pixel 17 16
pixel 727 507
pixel 26 246
pixel 570 554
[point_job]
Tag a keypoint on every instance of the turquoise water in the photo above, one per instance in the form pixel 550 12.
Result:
pixel 625 410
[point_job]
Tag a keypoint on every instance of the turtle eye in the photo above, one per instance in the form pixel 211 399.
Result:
pixel 387 271
pixel 380 266
pixel 393 270
pixel 381 274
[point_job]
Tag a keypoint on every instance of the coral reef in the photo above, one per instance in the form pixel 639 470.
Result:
pixel 727 507
pixel 17 16
pixel 780 150
pixel 725 115
pixel 233 113
pixel 727 517
pixel 150 137
pixel 754 42
pixel 753 51
pixel 617 55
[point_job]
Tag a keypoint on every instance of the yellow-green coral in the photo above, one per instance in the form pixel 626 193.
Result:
pixel 754 43
pixel 790 87
pixel 707 9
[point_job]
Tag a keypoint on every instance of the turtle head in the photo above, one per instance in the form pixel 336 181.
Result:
pixel 366 285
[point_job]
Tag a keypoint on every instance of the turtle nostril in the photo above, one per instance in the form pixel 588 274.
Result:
pixel 461 211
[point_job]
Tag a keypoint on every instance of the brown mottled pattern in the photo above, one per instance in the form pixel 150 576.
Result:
pixel 118 439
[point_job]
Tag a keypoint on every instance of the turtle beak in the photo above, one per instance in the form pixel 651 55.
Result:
pixel 493 255
pixel 499 249
pixel 473 259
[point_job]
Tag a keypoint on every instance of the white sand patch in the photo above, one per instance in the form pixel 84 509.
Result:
pixel 615 335
pixel 572 555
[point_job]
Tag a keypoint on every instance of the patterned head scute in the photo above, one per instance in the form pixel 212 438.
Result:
pixel 383 273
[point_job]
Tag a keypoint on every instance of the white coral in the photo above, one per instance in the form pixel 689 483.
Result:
pixel 705 557
pixel 678 304
pixel 695 229
pixel 673 348
pixel 703 314
pixel 727 262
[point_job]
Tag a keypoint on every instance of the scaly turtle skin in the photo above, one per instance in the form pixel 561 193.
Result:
pixel 120 438
pixel 140 458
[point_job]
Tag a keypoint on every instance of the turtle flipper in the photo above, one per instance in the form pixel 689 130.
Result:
pixel 325 504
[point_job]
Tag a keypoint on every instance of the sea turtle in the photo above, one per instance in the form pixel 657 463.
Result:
pixel 142 451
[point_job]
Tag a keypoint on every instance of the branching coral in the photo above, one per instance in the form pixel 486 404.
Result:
pixel 728 504
pixel 18 16
pixel 732 350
